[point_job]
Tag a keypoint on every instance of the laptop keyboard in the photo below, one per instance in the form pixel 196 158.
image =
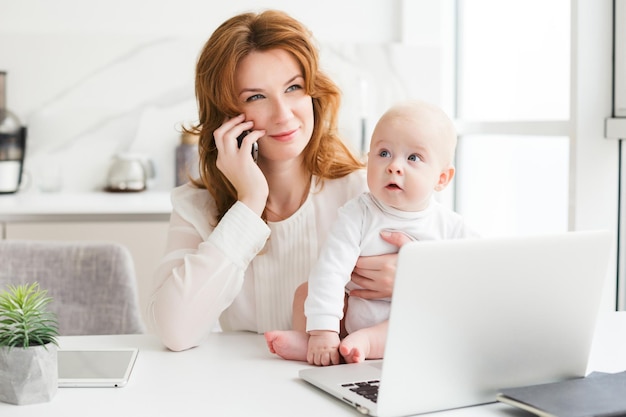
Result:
pixel 367 389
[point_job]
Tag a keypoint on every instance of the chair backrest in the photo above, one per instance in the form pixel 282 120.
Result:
pixel 92 284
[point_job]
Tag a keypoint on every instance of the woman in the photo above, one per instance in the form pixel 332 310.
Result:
pixel 245 235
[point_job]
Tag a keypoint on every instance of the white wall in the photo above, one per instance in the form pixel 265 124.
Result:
pixel 93 78
pixel 97 30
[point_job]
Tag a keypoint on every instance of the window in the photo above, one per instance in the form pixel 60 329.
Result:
pixel 533 155
pixel 512 107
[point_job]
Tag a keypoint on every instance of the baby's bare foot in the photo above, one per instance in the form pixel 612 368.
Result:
pixel 288 344
pixel 355 347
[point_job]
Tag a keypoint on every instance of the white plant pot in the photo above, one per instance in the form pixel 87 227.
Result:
pixel 28 376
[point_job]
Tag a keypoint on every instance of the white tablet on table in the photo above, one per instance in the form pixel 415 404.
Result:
pixel 96 367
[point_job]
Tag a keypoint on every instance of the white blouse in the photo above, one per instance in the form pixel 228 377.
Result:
pixel 243 272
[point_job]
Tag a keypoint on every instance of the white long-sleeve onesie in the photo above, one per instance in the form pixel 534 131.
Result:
pixel 357 233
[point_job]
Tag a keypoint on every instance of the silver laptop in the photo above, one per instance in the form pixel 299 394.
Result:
pixel 472 316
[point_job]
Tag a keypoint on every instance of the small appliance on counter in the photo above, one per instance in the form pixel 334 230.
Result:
pixel 12 145
pixel 187 158
pixel 130 173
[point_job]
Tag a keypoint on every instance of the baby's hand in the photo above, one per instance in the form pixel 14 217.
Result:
pixel 323 348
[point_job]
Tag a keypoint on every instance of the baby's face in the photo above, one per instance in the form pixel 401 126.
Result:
pixel 406 163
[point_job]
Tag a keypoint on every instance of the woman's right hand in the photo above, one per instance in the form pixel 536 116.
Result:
pixel 237 163
pixel 376 274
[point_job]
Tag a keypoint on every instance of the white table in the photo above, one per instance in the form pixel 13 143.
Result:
pixel 233 374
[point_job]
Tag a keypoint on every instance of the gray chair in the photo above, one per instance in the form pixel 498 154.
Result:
pixel 93 284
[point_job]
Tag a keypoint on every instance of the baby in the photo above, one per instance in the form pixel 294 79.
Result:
pixel 411 156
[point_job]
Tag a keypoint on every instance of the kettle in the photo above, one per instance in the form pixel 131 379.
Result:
pixel 130 173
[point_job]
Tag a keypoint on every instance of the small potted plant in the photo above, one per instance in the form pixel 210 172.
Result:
pixel 28 346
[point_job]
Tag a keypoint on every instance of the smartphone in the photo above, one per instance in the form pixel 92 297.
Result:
pixel 255 146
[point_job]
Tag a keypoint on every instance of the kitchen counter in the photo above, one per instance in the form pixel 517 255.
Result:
pixel 90 206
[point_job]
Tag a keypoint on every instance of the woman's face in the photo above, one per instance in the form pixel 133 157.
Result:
pixel 270 88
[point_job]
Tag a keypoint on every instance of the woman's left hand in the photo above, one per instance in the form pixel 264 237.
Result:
pixel 376 274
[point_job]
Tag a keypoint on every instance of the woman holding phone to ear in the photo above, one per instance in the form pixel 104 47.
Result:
pixel 245 234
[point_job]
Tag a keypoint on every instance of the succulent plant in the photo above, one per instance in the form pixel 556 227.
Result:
pixel 24 318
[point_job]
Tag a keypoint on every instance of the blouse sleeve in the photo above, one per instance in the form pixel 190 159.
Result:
pixel 203 268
